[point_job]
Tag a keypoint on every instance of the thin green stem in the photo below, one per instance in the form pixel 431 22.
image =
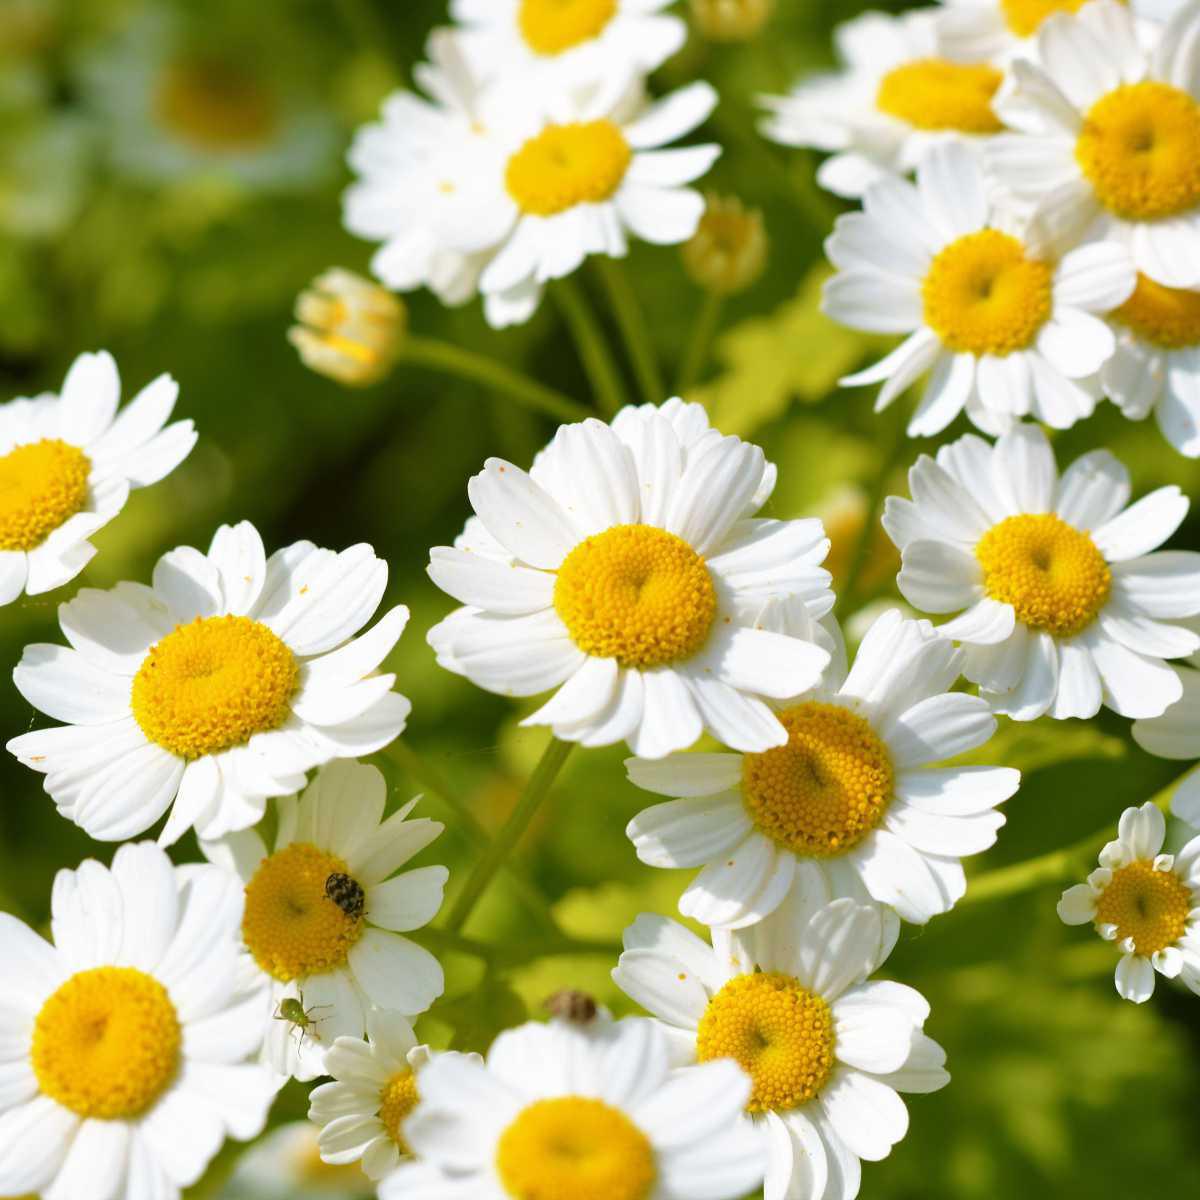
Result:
pixel 479 368
pixel 700 341
pixel 592 346
pixel 510 834
pixel 631 320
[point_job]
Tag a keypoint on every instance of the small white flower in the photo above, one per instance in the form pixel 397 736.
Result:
pixel 1176 734
pixel 592 1112
pixel 1066 606
pixel 285 1164
pixel 1145 901
pixel 1000 313
pixel 789 1001
pixel 67 464
pixel 626 571
pixel 326 912
pixel 217 687
pixel 125 1046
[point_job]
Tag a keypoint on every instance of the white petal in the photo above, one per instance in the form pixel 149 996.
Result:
pixel 1143 526
pixel 866 1114
pixel 686 774
pixel 689 833
pixel 939 727
pixel 1135 979
pixel 409 901
pixel 64 685
pixel 522 516
pixel 396 973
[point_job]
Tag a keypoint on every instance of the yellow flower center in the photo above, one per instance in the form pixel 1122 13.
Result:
pixel 551 26
pixel 398 1099
pixel 42 484
pixel 780 1033
pixel 1147 905
pixel 290 925
pixel 215 105
pixel 565 165
pixel 638 594
pixel 106 1044
pixel 984 295
pixel 573 1148
pixel 213 684
pixel 1165 317
pixel 934 93
pixel 1138 149
pixel 823 792
pixel 1025 17
pixel 1051 573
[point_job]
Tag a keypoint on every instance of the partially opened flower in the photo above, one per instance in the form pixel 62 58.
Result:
pixel 1176 734
pixel 67 464
pixel 626 571
pixel 1145 901
pixel 1063 605
pixel 220 685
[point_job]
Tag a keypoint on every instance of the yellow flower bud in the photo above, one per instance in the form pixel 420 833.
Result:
pixel 728 251
pixel 731 20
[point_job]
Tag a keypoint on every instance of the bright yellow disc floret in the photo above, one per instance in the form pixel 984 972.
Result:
pixel 936 94
pixel 106 1044
pixel 1051 573
pixel 1168 318
pixel 1025 17
pixel 398 1099
pixel 583 162
pixel 638 594
pixel 983 294
pixel 574 1148
pixel 551 26
pixel 823 792
pixel 1147 905
pixel 42 484
pixel 780 1033
pixel 212 684
pixel 291 925
pixel 216 105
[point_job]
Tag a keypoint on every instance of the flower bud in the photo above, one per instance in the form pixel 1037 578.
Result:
pixel 728 251
pixel 731 20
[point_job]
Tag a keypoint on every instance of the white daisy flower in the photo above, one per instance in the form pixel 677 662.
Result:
pixel 1106 136
pixel 789 1000
pixel 67 464
pixel 220 685
pixel 1145 901
pixel 895 96
pixel 125 1046
pixel 1000 316
pixel 326 912
pixel 626 571
pixel 850 806
pixel 374 1089
pixel 1176 734
pixel 1066 608
pixel 592 1112
pixel 286 1164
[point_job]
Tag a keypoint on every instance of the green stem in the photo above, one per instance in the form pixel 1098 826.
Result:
pixel 631 320
pixel 700 341
pixel 592 345
pixel 479 368
pixel 510 834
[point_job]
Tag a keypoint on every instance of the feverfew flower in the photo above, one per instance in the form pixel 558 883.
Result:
pixel 1145 901
pixel 126 1042
pixel 789 1001
pixel 593 1112
pixel 220 685
pixel 326 912
pixel 850 806
pixel 1176 734
pixel 1066 606
pixel 626 571
pixel 1000 316
pixel 286 1164
pixel 67 464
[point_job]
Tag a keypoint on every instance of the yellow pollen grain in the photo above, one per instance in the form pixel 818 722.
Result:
pixel 936 94
pixel 1051 573
pixel 106 1043
pixel 551 26
pixel 780 1033
pixel 1168 318
pixel 1139 150
pixel 638 594
pixel 984 295
pixel 574 1148
pixel 1147 905
pixel 582 162
pixel 215 105
pixel 42 484
pixel 290 926
pixel 398 1098
pixel 823 792
pixel 212 684
pixel 1025 17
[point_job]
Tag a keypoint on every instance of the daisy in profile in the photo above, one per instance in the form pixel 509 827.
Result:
pixel 851 806
pixel 126 1046
pixel 1145 901
pixel 1176 734
pixel 220 685
pixel 1106 136
pixel 1063 605
pixel 67 464
pixel 627 573
pixel 374 1089
pixel 326 913
pixel 789 1000
pixel 592 1111
pixel 1000 316
pixel 895 96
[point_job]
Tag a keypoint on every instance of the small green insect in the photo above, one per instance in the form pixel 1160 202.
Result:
pixel 291 1009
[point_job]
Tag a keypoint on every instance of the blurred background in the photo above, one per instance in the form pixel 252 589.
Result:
pixel 170 176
